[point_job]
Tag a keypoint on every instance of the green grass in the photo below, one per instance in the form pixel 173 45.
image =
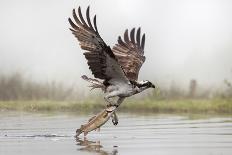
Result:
pixel 181 106
pixel 148 105
pixel 46 106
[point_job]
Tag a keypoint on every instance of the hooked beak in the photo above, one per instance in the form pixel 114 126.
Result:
pixel 153 86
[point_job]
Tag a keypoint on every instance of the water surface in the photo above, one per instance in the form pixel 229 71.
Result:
pixel 27 133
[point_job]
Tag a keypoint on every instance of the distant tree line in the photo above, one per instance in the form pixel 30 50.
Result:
pixel 194 92
pixel 17 87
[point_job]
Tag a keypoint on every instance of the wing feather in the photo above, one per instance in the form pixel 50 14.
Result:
pixel 76 19
pixel 143 42
pixel 138 37
pixel 132 36
pixel 100 58
pixel 81 17
pixel 88 19
pixel 126 37
pixel 130 53
pixel 95 23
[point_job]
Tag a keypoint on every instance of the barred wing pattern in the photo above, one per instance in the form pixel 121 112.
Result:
pixel 101 60
pixel 130 53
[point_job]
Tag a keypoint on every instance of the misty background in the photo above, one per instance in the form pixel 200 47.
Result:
pixel 185 39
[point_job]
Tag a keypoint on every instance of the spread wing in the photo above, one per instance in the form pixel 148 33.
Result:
pixel 130 53
pixel 100 58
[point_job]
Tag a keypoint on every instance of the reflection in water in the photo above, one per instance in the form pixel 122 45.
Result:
pixel 93 147
pixel 149 134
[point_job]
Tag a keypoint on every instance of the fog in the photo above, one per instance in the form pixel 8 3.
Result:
pixel 185 39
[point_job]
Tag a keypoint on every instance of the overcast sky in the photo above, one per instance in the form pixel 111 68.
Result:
pixel 185 39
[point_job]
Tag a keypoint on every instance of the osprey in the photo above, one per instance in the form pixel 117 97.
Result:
pixel 117 67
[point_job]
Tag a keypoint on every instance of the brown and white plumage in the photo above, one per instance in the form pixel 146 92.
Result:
pixel 130 53
pixel 101 60
pixel 118 67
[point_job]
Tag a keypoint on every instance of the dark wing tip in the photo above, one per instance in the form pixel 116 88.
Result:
pixel 132 35
pixel 120 42
pixel 87 10
pixel 72 24
pixel 72 30
pixel 79 10
pixel 126 37
pixel 143 41
pixel 81 17
pixel 88 18
pixel 76 18
pixel 138 36
pixel 95 23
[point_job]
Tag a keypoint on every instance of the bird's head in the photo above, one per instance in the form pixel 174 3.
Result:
pixel 147 84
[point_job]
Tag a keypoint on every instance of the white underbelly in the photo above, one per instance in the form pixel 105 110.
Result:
pixel 121 90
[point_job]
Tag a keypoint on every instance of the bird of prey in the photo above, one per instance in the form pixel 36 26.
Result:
pixel 115 69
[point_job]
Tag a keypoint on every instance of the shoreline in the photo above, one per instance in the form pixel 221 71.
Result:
pixel 211 106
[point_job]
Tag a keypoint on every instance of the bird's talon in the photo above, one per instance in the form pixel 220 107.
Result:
pixel 114 122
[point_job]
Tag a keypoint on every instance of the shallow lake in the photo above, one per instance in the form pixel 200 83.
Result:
pixel 27 133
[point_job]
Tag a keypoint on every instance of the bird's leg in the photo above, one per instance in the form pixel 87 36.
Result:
pixel 114 116
pixel 109 101
pixel 120 100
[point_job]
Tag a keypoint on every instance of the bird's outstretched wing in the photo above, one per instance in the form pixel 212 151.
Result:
pixel 130 53
pixel 101 60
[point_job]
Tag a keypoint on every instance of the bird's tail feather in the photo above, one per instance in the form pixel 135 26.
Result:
pixel 94 83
